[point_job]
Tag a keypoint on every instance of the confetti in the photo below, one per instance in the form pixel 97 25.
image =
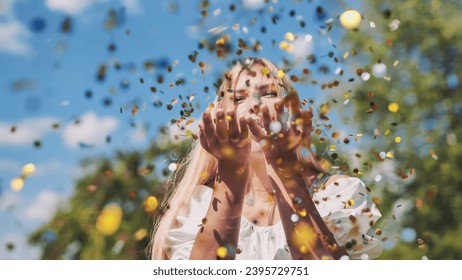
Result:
pixel 172 167
pixel 393 107
pixel 140 234
pixel 350 19
pixel 303 236
pixel 365 76
pixel 290 36
pixel 294 218
pixel 28 169
pixel 109 220
pixel 17 184
pixel 379 70
pixel 150 204
pixel 38 24
pixel 222 252
pixel 394 24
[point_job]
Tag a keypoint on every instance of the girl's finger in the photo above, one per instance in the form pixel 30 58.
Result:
pixel 255 129
pixel 203 138
pixel 233 126
pixel 279 107
pixel 209 129
pixel 221 127
pixel 307 124
pixel 266 117
pixel 244 136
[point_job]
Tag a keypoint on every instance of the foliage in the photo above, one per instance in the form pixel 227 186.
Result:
pixel 424 60
pixel 127 180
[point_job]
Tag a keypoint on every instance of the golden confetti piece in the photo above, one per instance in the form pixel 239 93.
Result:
pixel 236 26
pixel 325 164
pixel 378 231
pixel 227 152
pixel 359 134
pixel 28 169
pixel 395 63
pixel 393 107
pixel 345 55
pixel 135 110
pixel 17 184
pixel 332 147
pixel 281 74
pixel 302 212
pixel 351 202
pixel 222 252
pixel 350 19
pixel 324 108
pixel 220 41
pixel 325 258
pixel 285 46
pixel 390 155
pixel 140 234
pixel 289 36
pixel 150 204
pixel 265 71
pixel 298 122
pixel 109 220
pixel 303 236
pixel 228 118
pixel 397 139
pixel 204 175
pixel 386 132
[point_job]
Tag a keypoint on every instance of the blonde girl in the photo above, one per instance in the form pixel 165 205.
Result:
pixel 246 192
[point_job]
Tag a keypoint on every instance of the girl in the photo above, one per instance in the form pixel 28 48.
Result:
pixel 246 191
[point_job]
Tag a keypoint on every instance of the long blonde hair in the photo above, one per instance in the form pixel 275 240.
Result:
pixel 200 168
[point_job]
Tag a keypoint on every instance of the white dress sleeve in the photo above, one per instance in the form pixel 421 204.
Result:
pixel 180 238
pixel 349 214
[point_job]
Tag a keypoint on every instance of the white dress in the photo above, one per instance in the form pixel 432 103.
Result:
pixel 350 224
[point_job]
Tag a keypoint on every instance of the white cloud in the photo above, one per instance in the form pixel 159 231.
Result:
pixel 46 203
pixel 91 130
pixel 302 46
pixel 13 34
pixel 132 6
pixel 26 132
pixel 68 6
pixel 253 4
pixel 9 200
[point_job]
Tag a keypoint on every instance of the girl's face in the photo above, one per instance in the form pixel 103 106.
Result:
pixel 255 88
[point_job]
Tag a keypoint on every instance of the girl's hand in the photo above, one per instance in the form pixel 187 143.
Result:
pixel 282 134
pixel 227 140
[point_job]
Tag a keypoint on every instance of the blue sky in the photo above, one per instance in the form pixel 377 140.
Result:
pixel 49 82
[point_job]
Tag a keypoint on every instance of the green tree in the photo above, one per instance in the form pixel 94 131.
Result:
pixel 420 102
pixel 126 181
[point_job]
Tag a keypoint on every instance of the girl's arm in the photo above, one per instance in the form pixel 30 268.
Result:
pixel 306 232
pixel 220 227
pixel 229 142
